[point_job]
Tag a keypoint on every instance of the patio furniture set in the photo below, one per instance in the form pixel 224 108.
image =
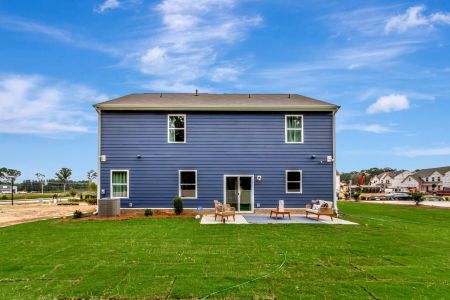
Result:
pixel 315 207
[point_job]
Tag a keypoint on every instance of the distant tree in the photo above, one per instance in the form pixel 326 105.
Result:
pixel 6 173
pixel 10 175
pixel 63 176
pixel 41 179
pixel 91 176
pixel 92 186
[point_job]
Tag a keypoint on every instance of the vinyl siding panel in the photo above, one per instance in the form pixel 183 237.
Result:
pixel 218 143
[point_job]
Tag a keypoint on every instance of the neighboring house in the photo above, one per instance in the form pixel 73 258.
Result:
pixel 433 179
pixel 247 150
pixel 374 180
pixel 383 180
pixel 428 180
pixel 411 183
pixel 446 181
pixel 399 176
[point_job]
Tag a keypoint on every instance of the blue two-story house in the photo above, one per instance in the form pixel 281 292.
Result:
pixel 248 150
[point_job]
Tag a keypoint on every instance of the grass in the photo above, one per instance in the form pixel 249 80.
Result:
pixel 396 252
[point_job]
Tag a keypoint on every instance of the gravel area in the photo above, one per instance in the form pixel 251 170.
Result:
pixel 16 214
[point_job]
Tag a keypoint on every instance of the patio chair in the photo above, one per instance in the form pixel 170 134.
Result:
pixel 224 211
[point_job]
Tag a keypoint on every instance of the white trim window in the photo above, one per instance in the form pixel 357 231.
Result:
pixel 293 132
pixel 176 129
pixel 120 182
pixel 187 184
pixel 294 180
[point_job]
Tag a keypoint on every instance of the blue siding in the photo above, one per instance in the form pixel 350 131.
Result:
pixel 217 144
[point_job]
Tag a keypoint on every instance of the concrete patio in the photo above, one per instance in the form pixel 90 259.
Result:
pixel 265 219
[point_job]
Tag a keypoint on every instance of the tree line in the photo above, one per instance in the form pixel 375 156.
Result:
pixel 62 178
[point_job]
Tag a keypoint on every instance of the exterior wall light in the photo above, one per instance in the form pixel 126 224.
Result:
pixel 258 178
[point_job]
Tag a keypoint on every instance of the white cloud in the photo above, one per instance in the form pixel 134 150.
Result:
pixel 225 74
pixel 189 43
pixel 389 103
pixel 35 105
pixel 372 128
pixel 415 152
pixel 413 18
pixel 106 5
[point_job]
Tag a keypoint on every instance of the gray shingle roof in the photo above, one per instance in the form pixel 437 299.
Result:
pixel 427 172
pixel 205 101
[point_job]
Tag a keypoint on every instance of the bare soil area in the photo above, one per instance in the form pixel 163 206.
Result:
pixel 16 214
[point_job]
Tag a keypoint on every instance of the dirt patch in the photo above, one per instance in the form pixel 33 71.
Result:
pixel 16 214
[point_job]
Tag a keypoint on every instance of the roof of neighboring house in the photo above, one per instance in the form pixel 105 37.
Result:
pixel 224 102
pixel 427 172
pixel 414 176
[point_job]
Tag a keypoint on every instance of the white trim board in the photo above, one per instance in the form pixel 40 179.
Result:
pixel 110 183
pixel 184 128
pixel 286 181
pixel 298 129
pixel 179 184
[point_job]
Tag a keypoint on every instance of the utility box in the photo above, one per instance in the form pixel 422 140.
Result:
pixel 108 207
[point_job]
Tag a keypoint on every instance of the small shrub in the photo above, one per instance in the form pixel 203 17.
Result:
pixel 363 198
pixel 356 196
pixel 417 197
pixel 72 193
pixel 148 212
pixel 4 197
pixel 68 203
pixel 347 196
pixel 77 214
pixel 178 205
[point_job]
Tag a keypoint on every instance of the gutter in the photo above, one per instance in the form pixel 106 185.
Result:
pixel 231 108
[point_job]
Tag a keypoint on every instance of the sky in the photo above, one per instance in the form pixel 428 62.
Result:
pixel 387 64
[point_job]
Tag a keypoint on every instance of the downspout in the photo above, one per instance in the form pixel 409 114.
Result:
pixel 99 139
pixel 334 165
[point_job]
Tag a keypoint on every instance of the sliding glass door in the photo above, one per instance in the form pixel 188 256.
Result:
pixel 239 192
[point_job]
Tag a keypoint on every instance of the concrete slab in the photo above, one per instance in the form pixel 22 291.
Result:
pixel 265 219
pixel 209 220
pixel 295 219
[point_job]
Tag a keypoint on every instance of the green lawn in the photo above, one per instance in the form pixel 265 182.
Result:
pixel 396 252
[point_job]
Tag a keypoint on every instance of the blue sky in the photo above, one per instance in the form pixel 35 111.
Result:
pixel 386 63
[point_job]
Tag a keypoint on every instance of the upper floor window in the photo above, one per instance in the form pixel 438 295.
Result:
pixel 119 183
pixel 176 128
pixel 439 179
pixel 294 129
pixel 187 182
pixel 432 178
pixel 294 181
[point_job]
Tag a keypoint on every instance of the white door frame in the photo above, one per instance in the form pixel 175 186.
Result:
pixel 252 200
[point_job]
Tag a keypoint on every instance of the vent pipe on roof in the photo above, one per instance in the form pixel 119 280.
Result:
pixel 249 95
pixel 196 92
pixel 160 95
pixel 289 96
